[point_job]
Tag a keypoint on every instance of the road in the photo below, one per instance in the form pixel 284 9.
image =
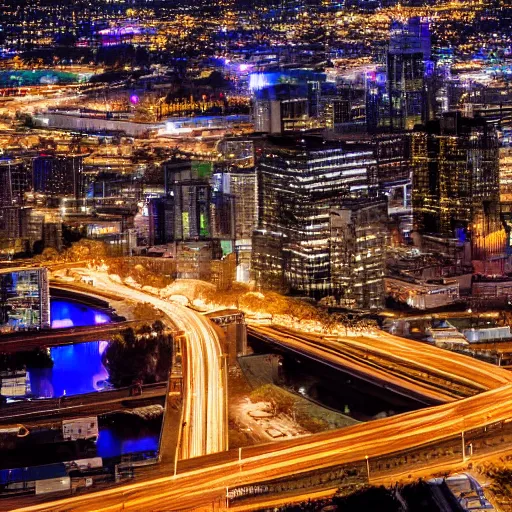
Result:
pixel 417 367
pixel 331 353
pixel 470 371
pixel 208 477
pixel 204 480
pixel 65 336
pixel 79 405
pixel 204 429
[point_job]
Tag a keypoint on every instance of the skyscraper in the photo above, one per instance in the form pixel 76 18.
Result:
pixel 14 181
pixel 187 186
pixel 407 65
pixel 301 182
pixel 281 108
pixel 58 175
pixel 358 243
pixel 456 183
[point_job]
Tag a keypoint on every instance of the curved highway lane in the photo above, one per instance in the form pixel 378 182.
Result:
pixel 204 429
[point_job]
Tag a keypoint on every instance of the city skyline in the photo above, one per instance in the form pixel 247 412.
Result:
pixel 255 255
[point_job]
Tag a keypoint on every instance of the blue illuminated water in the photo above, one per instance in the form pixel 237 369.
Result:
pixel 77 369
pixel 112 442
pixel 67 313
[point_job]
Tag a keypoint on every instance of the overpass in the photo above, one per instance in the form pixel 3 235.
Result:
pixel 408 367
pixel 205 480
pixel 484 417
pixel 19 341
pixel 357 365
pixel 79 405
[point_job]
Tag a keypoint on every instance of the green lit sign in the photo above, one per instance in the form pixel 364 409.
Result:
pixel 202 169
pixel 226 246
pixel 186 225
pixel 203 228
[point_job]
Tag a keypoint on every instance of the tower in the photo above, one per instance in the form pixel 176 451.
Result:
pixel 408 62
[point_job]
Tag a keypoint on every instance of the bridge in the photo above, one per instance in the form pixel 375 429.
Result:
pixel 32 411
pixel 20 341
pixel 417 369
pixel 360 366
pixel 390 445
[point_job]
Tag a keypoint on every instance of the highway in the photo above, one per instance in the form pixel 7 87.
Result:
pixel 418 368
pixel 432 359
pixel 203 480
pixel 211 475
pixel 331 353
pixel 204 429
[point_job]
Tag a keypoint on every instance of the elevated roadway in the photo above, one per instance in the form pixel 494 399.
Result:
pixel 77 405
pixel 417 369
pixel 453 366
pixel 204 427
pixel 56 337
pixel 203 480
pixel 331 353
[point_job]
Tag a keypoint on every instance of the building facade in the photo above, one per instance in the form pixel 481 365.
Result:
pixel 407 67
pixel 456 186
pixel 301 181
pixel 24 299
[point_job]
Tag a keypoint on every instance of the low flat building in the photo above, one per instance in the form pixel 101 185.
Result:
pixel 445 335
pixel 420 294
pixel 499 289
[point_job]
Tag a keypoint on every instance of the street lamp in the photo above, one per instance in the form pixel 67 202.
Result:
pixel 367 467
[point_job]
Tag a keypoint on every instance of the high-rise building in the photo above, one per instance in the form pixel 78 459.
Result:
pixel 222 215
pixel 6 197
pixel 235 186
pixel 280 108
pixel 376 101
pixel 161 220
pixel 13 222
pixel 506 192
pixel 301 181
pixel 456 184
pixel 15 180
pixel 240 184
pixel 359 238
pixel 407 66
pixel 59 175
pixel 506 175
pixel 188 187
pixel 24 299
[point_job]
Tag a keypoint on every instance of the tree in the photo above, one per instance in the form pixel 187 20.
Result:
pixel 138 358
pixel 85 250
pixel 158 326
pixel 49 255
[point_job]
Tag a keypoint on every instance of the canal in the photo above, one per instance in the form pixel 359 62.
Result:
pixel 78 369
